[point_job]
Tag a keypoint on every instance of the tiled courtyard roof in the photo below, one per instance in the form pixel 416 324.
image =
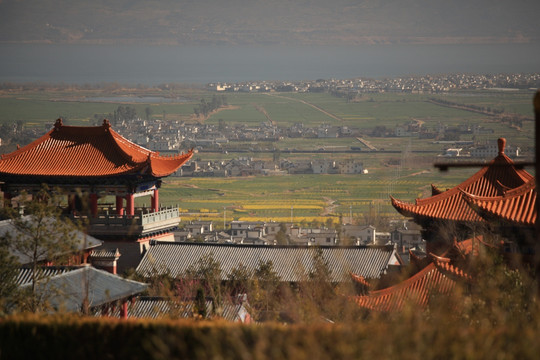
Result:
pixel 68 291
pixel 105 254
pixel 77 151
pixel 159 307
pixel 517 206
pixel 24 277
pixel 492 180
pixel 291 263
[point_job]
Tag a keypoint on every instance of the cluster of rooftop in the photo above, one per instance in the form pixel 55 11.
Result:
pixel 89 163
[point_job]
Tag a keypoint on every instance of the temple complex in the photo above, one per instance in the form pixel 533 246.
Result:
pixel 499 202
pixel 101 174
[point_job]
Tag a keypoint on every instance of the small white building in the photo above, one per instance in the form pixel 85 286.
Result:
pixel 350 166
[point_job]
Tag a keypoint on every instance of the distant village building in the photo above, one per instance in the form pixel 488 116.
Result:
pixel 408 239
pixel 243 228
pixel 361 235
pixel 491 151
pixel 323 166
pixel 199 227
pixel 452 152
pixel 315 237
pixel 350 166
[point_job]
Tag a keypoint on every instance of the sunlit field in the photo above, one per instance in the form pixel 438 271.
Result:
pixel 303 197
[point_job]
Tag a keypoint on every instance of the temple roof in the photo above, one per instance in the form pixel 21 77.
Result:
pixel 79 151
pixel 517 206
pixel 438 277
pixel 490 181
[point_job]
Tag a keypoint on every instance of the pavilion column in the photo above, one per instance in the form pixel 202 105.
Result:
pixel 119 205
pixel 155 201
pixel 94 204
pixel 71 203
pixel 130 204
pixel 124 310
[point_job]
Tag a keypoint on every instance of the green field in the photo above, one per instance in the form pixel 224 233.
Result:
pixel 310 196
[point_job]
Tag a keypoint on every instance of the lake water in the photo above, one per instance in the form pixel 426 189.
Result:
pixel 151 65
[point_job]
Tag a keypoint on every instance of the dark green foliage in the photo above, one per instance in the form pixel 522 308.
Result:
pixel 125 113
pixel 239 280
pixel 205 108
pixel 8 275
pixel 200 303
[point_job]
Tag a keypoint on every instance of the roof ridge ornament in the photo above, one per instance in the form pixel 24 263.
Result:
pixel 106 124
pixel 501 142
pixel 58 124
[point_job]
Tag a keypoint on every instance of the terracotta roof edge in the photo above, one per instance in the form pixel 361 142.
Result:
pixel 431 266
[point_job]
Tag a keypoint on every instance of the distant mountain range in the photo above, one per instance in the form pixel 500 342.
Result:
pixel 328 22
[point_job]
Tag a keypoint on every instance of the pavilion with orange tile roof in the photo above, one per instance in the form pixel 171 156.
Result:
pixel 96 161
pixel 513 215
pixel 499 196
pixel 515 206
pixel 449 209
pixel 89 163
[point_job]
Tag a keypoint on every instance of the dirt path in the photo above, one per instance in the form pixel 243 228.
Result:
pixel 264 112
pixel 202 119
pixel 330 206
pixel 309 104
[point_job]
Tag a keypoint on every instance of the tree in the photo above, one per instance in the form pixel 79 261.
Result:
pixel 148 112
pixel 329 223
pixel 265 290
pixel 281 235
pixel 240 279
pixel 8 274
pixel 200 303
pixel 40 235
pixel 317 293
pixel 208 272
pixel 222 125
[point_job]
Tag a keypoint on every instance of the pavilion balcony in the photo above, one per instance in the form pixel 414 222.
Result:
pixel 144 222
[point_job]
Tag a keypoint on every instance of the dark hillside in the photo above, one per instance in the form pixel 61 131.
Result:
pixel 263 22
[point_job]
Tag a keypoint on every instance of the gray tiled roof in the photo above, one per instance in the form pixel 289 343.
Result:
pixel 291 263
pixel 104 253
pixel 159 307
pixel 83 241
pixel 24 277
pixel 67 291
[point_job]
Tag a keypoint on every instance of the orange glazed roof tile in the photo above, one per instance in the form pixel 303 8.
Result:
pixel 492 180
pixel 517 205
pixel 77 151
pixel 416 290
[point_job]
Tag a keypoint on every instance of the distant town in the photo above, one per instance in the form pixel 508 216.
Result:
pixel 411 84
pixel 162 134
